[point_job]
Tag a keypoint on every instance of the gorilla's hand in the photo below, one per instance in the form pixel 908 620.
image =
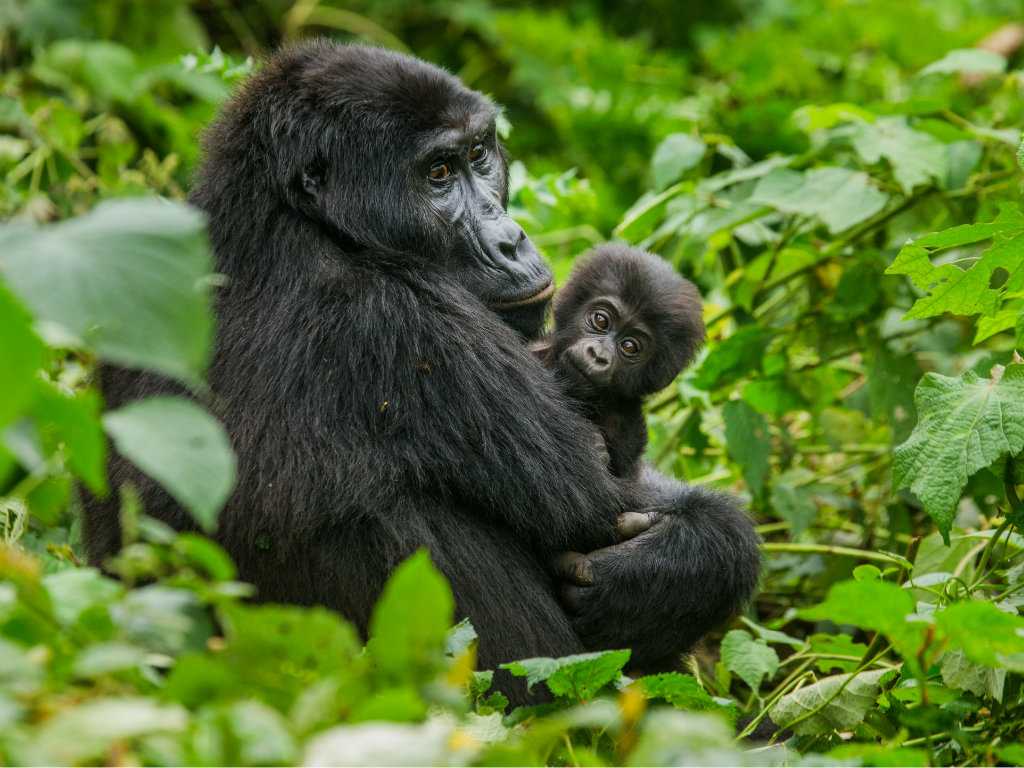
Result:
pixel 689 559
pixel 577 569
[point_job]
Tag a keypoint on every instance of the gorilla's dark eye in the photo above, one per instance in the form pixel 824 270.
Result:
pixel 630 347
pixel 477 153
pixel 440 171
pixel 599 320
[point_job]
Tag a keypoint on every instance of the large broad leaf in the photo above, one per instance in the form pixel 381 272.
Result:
pixel 678 153
pixel 964 424
pixel 835 707
pixel 839 197
pixel 878 605
pixel 409 628
pixel 579 677
pixel 916 158
pixel 985 634
pixel 748 442
pixel 751 659
pixel 951 288
pixel 128 279
pixel 182 447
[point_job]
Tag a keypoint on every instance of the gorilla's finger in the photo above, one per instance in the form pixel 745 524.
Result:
pixel 574 567
pixel 630 524
pixel 573 598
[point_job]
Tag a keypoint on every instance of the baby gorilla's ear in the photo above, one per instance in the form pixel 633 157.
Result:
pixel 541 349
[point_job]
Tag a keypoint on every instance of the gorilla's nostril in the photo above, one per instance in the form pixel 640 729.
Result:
pixel 508 249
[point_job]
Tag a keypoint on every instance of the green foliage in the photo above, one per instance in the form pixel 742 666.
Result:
pixel 841 179
pixel 964 425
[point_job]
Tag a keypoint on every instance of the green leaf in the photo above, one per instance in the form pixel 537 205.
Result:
pixel 839 197
pixel 84 733
pixel 678 153
pixel 751 659
pixel 916 158
pixel 107 658
pixel 967 60
pixel 794 502
pixel 1011 754
pixel 669 737
pixel 880 756
pixel 73 421
pixel 951 288
pixel 579 677
pixel 22 355
pixel 409 627
pixel 428 743
pixel 182 447
pixel 836 645
pixel 734 357
pixel 985 634
pixel 256 633
pixel 76 589
pixel 460 637
pixel 960 672
pixel 878 605
pixel 261 734
pixel 681 691
pixel 833 710
pixel 129 279
pixel 964 424
pixel 748 442
pixel 163 619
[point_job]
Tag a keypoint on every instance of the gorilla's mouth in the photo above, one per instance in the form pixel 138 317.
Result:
pixel 542 295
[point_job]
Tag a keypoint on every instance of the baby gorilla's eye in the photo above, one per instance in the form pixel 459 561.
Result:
pixel 477 153
pixel 600 320
pixel 440 171
pixel 630 347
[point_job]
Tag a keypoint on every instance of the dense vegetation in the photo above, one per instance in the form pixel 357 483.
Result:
pixel 842 179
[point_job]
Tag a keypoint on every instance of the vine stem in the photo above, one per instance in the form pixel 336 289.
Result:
pixel 830 549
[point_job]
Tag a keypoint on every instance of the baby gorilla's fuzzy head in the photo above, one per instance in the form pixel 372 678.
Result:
pixel 625 323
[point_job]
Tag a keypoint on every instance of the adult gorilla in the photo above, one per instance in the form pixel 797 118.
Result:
pixel 378 399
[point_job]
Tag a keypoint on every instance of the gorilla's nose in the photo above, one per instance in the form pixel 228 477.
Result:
pixel 596 356
pixel 512 242
pixel 509 245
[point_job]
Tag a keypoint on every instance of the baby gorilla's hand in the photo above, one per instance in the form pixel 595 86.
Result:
pixel 577 569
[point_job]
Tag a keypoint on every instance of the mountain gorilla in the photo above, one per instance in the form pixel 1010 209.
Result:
pixel 371 369
pixel 626 324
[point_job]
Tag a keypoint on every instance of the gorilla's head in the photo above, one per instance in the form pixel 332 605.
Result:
pixel 390 157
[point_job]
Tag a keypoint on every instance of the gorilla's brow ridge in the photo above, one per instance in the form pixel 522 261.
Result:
pixel 452 138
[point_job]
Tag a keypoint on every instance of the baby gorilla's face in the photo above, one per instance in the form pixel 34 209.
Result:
pixel 607 347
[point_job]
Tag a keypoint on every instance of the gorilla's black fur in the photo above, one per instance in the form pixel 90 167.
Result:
pixel 377 402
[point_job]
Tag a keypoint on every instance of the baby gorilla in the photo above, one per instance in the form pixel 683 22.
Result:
pixel 625 324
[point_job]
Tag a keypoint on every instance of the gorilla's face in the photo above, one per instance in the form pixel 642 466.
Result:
pixel 462 176
pixel 400 159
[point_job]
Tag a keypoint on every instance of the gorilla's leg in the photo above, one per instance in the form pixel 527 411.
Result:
pixel 660 592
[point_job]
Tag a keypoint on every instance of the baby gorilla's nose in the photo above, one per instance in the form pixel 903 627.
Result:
pixel 596 356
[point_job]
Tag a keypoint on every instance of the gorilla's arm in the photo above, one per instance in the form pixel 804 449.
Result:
pixel 660 592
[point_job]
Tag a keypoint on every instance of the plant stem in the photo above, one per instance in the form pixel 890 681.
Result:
pixel 829 549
